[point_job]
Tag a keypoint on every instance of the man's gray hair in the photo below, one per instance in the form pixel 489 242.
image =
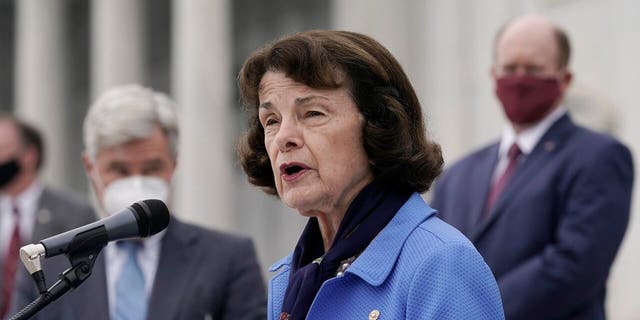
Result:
pixel 129 112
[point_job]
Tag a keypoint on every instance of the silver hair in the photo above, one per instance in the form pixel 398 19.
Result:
pixel 126 113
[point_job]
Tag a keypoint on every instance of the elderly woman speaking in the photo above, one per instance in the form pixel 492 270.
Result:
pixel 336 131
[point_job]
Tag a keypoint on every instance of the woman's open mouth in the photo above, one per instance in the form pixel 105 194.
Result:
pixel 291 171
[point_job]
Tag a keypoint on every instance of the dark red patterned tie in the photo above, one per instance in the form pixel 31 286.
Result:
pixel 11 263
pixel 513 154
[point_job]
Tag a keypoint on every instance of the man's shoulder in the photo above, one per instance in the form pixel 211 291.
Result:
pixel 207 234
pixel 481 152
pixel 586 147
pixel 65 209
pixel 55 197
pixel 589 138
pixel 469 161
pixel 215 246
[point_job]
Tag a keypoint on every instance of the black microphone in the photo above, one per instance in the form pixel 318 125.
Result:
pixel 83 244
pixel 141 219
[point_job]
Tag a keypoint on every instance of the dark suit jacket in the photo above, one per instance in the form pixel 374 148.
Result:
pixel 57 212
pixel 202 274
pixel 554 231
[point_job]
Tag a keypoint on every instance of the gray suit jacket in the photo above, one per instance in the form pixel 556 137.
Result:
pixel 202 274
pixel 57 212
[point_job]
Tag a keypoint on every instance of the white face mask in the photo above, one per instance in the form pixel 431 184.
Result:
pixel 121 193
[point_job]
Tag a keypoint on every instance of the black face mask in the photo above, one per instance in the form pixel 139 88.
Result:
pixel 8 171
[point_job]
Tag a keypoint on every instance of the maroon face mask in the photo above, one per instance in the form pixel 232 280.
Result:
pixel 527 99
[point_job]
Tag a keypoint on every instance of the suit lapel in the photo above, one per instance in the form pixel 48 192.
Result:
pixel 177 260
pixel 44 225
pixel 91 298
pixel 480 184
pixel 548 145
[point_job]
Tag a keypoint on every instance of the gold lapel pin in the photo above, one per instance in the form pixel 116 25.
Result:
pixel 374 314
pixel 549 146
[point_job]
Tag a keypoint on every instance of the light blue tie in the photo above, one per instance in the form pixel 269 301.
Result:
pixel 131 298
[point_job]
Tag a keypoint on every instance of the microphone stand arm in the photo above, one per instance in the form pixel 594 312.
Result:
pixel 82 253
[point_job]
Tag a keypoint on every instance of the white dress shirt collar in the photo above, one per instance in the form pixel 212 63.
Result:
pixel 526 140
pixel 27 203
pixel 148 257
pixel 529 137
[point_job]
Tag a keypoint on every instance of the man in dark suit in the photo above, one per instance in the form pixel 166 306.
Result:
pixel 29 211
pixel 184 272
pixel 548 204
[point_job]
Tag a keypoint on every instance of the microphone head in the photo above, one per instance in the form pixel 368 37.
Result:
pixel 152 216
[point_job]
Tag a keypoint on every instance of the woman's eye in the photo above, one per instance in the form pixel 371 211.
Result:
pixel 270 121
pixel 314 113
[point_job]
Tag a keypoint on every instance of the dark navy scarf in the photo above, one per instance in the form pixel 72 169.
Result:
pixel 366 216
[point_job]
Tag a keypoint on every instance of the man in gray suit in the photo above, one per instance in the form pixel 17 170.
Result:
pixel 29 211
pixel 184 272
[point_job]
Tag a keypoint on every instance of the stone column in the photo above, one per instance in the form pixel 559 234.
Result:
pixel 118 43
pixel 40 79
pixel 202 83
pixel 387 21
pixel 620 81
pixel 425 37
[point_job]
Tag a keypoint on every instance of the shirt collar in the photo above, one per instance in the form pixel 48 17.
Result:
pixel 147 243
pixel 30 196
pixel 529 137
pixel 154 240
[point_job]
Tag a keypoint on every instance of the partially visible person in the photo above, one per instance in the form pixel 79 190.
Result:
pixel 547 205
pixel 29 210
pixel 184 272
pixel 336 131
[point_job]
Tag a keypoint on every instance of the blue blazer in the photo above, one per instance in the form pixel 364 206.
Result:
pixel 555 229
pixel 418 267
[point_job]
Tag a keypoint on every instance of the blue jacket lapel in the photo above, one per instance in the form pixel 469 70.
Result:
pixel 377 261
pixel 549 144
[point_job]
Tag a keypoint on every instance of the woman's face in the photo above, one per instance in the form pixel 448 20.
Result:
pixel 314 141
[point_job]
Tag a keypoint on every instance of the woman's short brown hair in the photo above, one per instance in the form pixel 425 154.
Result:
pixel 393 133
